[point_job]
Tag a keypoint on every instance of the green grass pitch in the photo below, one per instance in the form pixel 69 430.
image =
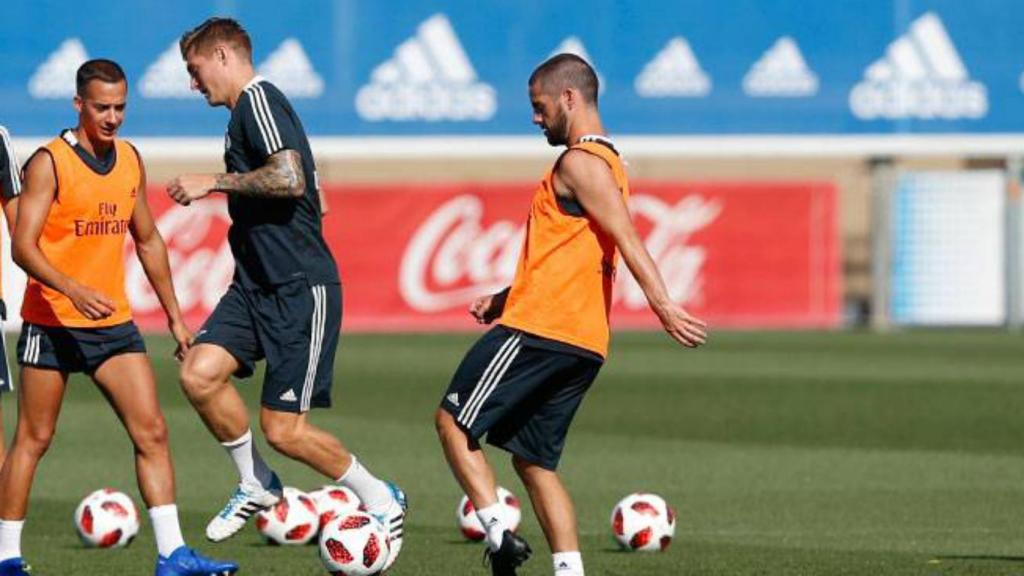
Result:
pixel 795 453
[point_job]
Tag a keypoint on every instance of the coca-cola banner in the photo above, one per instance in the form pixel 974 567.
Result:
pixel 413 257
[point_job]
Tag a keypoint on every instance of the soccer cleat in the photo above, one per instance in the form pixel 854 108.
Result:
pixel 511 555
pixel 14 567
pixel 244 502
pixel 185 561
pixel 393 519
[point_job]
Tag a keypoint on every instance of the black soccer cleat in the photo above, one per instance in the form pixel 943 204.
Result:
pixel 513 552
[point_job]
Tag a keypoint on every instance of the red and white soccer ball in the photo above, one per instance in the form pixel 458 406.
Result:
pixel 332 501
pixel 643 523
pixel 470 525
pixel 293 520
pixel 107 519
pixel 354 544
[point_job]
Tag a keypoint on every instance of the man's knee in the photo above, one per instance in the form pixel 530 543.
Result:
pixel 200 380
pixel 528 470
pixel 35 439
pixel 283 431
pixel 151 437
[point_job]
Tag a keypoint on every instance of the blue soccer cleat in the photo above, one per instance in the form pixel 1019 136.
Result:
pixel 14 567
pixel 393 520
pixel 187 562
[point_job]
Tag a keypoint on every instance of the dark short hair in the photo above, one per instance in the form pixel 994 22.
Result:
pixel 563 71
pixel 215 30
pixel 99 69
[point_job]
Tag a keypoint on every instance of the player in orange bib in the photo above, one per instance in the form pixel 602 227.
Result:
pixel 10 188
pixel 83 192
pixel 523 381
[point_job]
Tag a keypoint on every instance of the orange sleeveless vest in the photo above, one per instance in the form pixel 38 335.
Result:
pixel 563 284
pixel 84 235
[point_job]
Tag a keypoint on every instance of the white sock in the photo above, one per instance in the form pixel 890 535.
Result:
pixel 372 492
pixel 568 563
pixel 493 520
pixel 252 470
pixel 166 528
pixel 10 539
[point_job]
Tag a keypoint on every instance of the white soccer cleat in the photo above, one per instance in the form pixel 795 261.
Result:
pixel 243 504
pixel 393 519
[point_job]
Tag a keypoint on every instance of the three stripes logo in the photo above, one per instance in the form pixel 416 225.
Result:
pixel 781 72
pixel 429 78
pixel 55 77
pixel 921 76
pixel 673 73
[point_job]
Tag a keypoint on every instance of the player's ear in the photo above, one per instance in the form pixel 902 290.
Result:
pixel 220 53
pixel 78 103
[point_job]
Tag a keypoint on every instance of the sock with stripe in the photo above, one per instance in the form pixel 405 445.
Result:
pixel 252 470
pixel 493 520
pixel 568 563
pixel 372 492
pixel 10 539
pixel 166 528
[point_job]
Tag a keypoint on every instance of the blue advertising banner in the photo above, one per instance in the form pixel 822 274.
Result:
pixel 459 67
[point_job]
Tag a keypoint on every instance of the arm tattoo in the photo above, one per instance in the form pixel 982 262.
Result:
pixel 281 177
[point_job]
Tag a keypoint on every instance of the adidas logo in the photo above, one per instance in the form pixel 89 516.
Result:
pixel 55 78
pixel 167 77
pixel 573 45
pixel 781 72
pixel 288 396
pixel 453 398
pixel 288 67
pixel 428 78
pixel 920 76
pixel 673 73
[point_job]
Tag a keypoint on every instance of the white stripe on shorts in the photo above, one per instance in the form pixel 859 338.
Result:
pixel 316 341
pixel 510 347
pixel 494 384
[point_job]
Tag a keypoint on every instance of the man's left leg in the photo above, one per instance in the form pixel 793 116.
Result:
pixel 129 385
pixel 294 436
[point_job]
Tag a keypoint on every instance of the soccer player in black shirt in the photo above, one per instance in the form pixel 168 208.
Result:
pixel 10 189
pixel 284 303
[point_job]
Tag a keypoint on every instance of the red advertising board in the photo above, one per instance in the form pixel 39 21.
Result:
pixel 413 257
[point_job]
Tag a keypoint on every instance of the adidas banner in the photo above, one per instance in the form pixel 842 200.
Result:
pixel 414 257
pixel 355 67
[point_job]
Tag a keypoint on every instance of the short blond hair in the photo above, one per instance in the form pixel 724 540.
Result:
pixel 215 30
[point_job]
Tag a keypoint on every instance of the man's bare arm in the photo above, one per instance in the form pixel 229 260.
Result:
pixel 589 179
pixel 281 177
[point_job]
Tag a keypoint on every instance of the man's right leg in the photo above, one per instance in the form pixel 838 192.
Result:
pixel 39 400
pixel 206 379
pixel 554 510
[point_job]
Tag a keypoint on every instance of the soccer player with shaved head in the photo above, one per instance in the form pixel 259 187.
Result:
pixel 284 302
pixel 523 381
pixel 83 193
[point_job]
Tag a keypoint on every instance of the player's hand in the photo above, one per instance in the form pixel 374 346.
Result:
pixel 92 304
pixel 183 336
pixel 682 327
pixel 487 308
pixel 185 189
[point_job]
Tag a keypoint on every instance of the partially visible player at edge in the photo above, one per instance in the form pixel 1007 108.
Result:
pixel 82 193
pixel 284 302
pixel 10 188
pixel 523 381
